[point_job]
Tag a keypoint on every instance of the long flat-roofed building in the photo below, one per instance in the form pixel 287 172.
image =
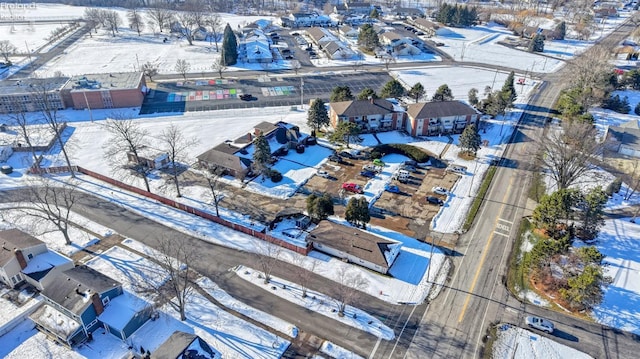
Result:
pixel 109 90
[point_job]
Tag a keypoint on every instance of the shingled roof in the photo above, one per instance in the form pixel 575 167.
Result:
pixel 224 156
pixel 361 244
pixel 362 107
pixel 437 109
pixel 13 239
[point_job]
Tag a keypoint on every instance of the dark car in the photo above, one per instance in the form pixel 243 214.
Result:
pixel 368 174
pixel 392 188
pixel 347 154
pixel 435 200
pixel 310 141
pixel 335 158
pixel 246 97
pixel 295 34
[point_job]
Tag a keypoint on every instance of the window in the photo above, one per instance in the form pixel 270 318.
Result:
pixel 30 256
pixel 93 322
pixel 105 301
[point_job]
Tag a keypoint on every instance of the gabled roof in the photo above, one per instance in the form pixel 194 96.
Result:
pixel 391 36
pixel 122 309
pixel 40 265
pixel 13 239
pixel 332 47
pixel 361 244
pixel 628 136
pixel 185 346
pixel 362 107
pixel 317 33
pixel 437 109
pixel 221 156
pixel 74 288
pixel 426 24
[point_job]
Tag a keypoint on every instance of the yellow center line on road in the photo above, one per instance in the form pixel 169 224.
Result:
pixel 484 255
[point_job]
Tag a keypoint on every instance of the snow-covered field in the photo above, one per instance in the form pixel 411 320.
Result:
pixel 514 342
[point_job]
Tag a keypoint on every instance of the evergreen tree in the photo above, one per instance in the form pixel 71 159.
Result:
pixel 553 209
pixel 509 89
pixel 357 212
pixel 560 31
pixel 368 38
pixel 346 132
pixel 590 255
pixel 229 47
pixel 537 44
pixel 417 91
pixel 261 154
pixel 591 212
pixel 443 93
pixel 367 93
pixel 341 93
pixel 473 97
pixel 584 291
pixel 374 13
pixel 392 89
pixel 470 140
pixel 317 116
pixel 631 79
pixel 319 208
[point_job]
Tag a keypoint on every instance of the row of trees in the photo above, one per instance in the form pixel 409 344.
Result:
pixel 495 102
pixel 392 89
pixel 456 15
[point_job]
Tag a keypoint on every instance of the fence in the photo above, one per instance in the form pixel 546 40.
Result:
pixel 169 202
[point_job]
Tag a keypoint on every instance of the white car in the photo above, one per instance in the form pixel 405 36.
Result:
pixel 540 324
pixel 456 169
pixel 439 190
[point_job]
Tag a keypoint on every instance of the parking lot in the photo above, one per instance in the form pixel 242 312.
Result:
pixel 407 212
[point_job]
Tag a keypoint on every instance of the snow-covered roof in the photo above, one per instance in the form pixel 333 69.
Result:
pixel 13 239
pixel 122 309
pixel 55 321
pixel 44 261
pixel 180 343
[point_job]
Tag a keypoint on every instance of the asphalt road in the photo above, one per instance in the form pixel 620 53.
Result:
pixel 457 321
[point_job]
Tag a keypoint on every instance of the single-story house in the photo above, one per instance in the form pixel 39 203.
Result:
pixel 360 247
pixel 370 115
pixel 337 51
pixel 149 157
pixel 349 32
pixel 18 249
pixel 406 12
pixel 624 139
pixel 72 306
pixel 405 49
pixel 222 157
pixel 181 345
pixel 390 38
pixel 439 117
pixel 429 27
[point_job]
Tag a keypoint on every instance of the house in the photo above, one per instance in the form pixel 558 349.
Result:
pixel 337 51
pixel 430 28
pixel 181 345
pixel 357 7
pixel 406 12
pixel 349 32
pixel 44 269
pixel 26 95
pixel 72 306
pixel 108 90
pixel 149 157
pixel 305 20
pixel 222 158
pixel 125 314
pixel 319 36
pixel 370 115
pixel 405 49
pixel 255 47
pixel 606 12
pixel 359 247
pixel 624 139
pixel 6 151
pixel 438 117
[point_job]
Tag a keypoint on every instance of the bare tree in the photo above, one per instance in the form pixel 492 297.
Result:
pixel 159 16
pixel 176 145
pixel 213 175
pixel 387 60
pixel 214 23
pixel 182 67
pixel 150 69
pixel 19 119
pixel 7 49
pixel 93 17
pixel 135 20
pixel 266 256
pixel 590 74
pixel 634 184
pixel 129 138
pixel 351 283
pixel 191 19
pixel 569 152
pixel 52 201
pixel 307 268
pixel 46 95
pixel 174 256
pixel 219 66
pixel 113 20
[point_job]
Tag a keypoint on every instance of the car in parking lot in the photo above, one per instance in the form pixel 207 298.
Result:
pixel 456 169
pixel 352 187
pixel 368 174
pixel 295 34
pixel 419 33
pixel 439 44
pixel 335 158
pixel 540 324
pixel 409 168
pixel 392 188
pixel 347 154
pixel 378 162
pixel 325 174
pixel 246 97
pixel 435 200
pixel 439 190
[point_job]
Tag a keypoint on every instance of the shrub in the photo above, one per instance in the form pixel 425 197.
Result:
pixel 613 187
pixel 417 154
pixel 275 176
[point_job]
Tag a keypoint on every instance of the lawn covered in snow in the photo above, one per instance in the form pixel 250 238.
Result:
pixel 515 342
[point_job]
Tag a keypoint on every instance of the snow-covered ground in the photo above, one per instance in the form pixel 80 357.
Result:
pixel 514 342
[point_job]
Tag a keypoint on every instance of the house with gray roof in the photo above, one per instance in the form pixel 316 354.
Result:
pixel 181 345
pixel 357 246
pixel 439 117
pixel 71 307
pixel 370 115
pixel 624 139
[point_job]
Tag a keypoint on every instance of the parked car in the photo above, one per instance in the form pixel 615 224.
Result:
pixel 392 188
pixel 439 190
pixel 325 174
pixel 409 168
pixel 310 141
pixel 540 324
pixel 282 151
pixel 435 200
pixel 352 187
pixel 419 33
pixel 378 162
pixel 439 43
pixel 456 169
pixel 346 154
pixel 368 174
pixel 295 34
pixel 335 158
pixel 246 97
pixel 370 167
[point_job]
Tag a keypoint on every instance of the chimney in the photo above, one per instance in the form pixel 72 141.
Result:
pixel 97 303
pixel 20 258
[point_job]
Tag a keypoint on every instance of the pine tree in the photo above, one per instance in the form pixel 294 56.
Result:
pixel 508 91
pixel 443 93
pixel 317 116
pixel 346 132
pixel 537 44
pixel 357 212
pixel 261 154
pixel 341 93
pixel 417 91
pixel 560 31
pixel 591 212
pixel 470 140
pixel 368 38
pixel 374 14
pixel 392 89
pixel 229 46
pixel 367 93
pixel 473 96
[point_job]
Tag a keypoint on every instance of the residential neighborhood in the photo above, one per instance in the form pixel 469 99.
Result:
pixel 319 179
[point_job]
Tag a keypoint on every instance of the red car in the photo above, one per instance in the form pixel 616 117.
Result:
pixel 352 187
